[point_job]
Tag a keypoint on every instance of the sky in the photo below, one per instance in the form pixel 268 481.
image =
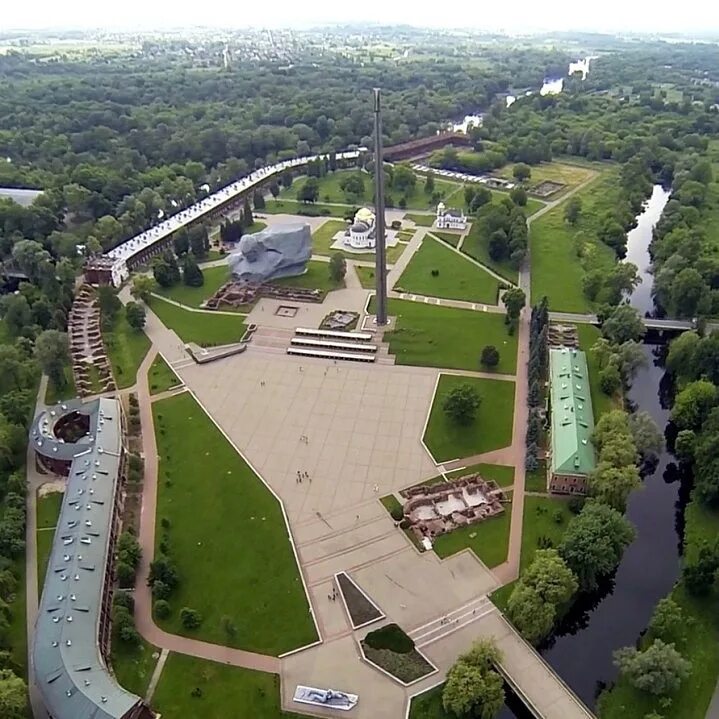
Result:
pixel 658 16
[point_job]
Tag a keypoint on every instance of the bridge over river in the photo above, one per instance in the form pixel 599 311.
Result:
pixel 651 323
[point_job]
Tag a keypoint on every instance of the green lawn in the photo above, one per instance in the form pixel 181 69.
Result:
pixel 204 328
pixel 366 276
pixel 543 517
pixel 227 536
pixel 292 207
pixel 451 238
pixel 133 665
pixel 570 175
pixel 700 645
pixel 421 220
pixel 126 348
pixel 458 278
pixel 317 277
pixel 161 377
pixel 330 191
pixel 435 336
pixel 561 251
pixel 487 539
pixel 47 512
pixel 491 428
pixel 475 246
pixel 215 277
pixel 428 705
pixel 601 402
pixel 536 481
pixel 225 692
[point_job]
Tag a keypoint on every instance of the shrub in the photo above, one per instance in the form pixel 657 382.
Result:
pixel 161 609
pixel 390 637
pixel 124 599
pixel 125 574
pixel 190 618
pixel 434 273
pixel 490 356
pixel 397 513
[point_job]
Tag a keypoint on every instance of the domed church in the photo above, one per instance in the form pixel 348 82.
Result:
pixel 361 233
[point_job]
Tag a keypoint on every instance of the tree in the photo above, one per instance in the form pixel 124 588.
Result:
pixel 429 183
pixel 659 669
pixel 125 574
pixel 181 242
pixel 473 687
pixel 682 354
pixel 573 210
pixel 693 404
pixel 612 484
pixel 337 267
pixel 684 445
pixel 514 300
pixel 247 216
pixel 610 380
pixel 142 287
pixel 519 196
pixel 310 190
pixel 190 618
pixel 165 270
pixel 51 352
pixel 490 356
pixel 274 189
pixel 521 172
pixel 191 273
pixel 687 291
pixel 624 324
pixel 258 199
pixel 648 438
pixel 699 573
pixel 13 696
pixel 16 314
pixel 161 609
pixel 668 621
pixel 353 186
pixel 481 197
pixel 199 240
pixel 461 404
pixel 593 543
pixel 543 588
pixel 136 315
pixel 404 180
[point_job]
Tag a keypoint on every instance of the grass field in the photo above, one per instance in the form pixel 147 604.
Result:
pixel 366 276
pixel 428 705
pixel 225 692
pixel 292 207
pixel 491 428
pixel 133 665
pixel 215 277
pixel 487 539
pixel 227 536
pixel 559 250
pixel 161 377
pixel 457 278
pixel 322 239
pixel 475 246
pixel 536 481
pixel 204 328
pixel 47 512
pixel 421 220
pixel 543 517
pixel 700 642
pixel 451 238
pixel 570 175
pixel 330 191
pixel 126 348
pixel 435 336
pixel 317 277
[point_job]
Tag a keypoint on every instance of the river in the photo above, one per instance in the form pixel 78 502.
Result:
pixel 581 650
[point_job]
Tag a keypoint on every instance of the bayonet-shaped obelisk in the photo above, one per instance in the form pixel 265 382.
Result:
pixel 380 254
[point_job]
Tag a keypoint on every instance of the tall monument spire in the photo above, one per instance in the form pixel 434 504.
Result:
pixel 380 255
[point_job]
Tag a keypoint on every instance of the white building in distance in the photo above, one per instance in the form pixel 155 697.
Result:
pixel 361 233
pixel 450 219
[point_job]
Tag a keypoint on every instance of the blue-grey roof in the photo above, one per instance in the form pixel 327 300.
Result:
pixel 42 432
pixel 69 670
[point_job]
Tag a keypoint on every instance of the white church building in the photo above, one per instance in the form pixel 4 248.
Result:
pixel 361 233
pixel 450 219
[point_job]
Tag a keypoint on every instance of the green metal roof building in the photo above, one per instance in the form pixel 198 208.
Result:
pixel 572 453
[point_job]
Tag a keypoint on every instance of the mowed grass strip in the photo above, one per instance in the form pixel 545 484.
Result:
pixel 47 513
pixel 488 539
pixel 161 377
pixel 227 536
pixel 225 692
pixel 435 336
pixel 317 277
pixel 204 328
pixel 451 238
pixel 476 245
pixel 491 428
pixel 456 278
pixel 133 664
pixel 215 277
pixel 560 251
pixel 126 348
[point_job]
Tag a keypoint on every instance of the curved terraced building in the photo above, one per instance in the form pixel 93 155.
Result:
pixel 71 644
